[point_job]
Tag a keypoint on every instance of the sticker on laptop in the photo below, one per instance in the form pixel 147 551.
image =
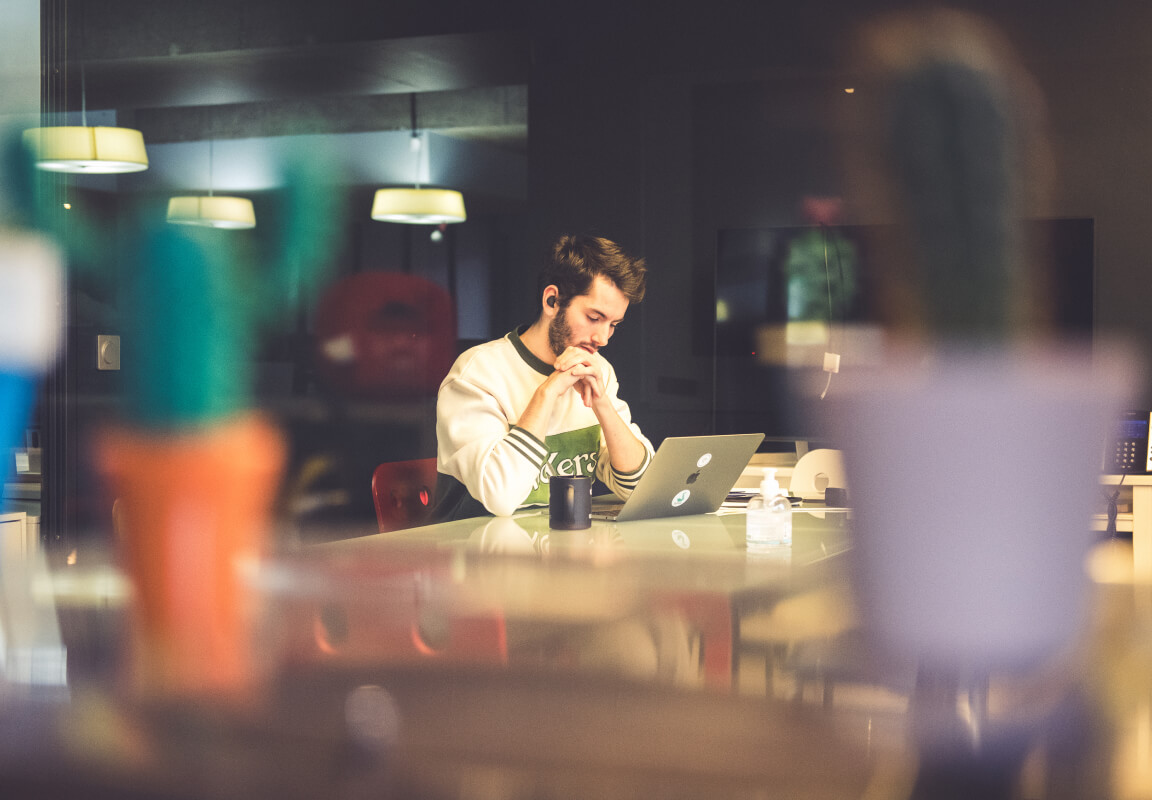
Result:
pixel 703 460
pixel 681 498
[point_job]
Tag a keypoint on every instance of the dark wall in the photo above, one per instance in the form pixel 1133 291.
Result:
pixel 657 124
pixel 728 119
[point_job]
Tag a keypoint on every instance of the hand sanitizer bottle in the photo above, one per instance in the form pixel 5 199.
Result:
pixel 769 520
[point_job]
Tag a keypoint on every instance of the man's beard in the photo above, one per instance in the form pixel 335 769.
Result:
pixel 559 332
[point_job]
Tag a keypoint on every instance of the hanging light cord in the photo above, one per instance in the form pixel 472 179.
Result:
pixel 828 285
pixel 83 97
pixel 416 144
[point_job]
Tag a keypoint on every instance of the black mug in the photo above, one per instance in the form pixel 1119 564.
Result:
pixel 569 502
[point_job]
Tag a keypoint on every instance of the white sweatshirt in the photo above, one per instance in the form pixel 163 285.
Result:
pixel 505 467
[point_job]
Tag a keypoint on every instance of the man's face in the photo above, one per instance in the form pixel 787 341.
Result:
pixel 590 319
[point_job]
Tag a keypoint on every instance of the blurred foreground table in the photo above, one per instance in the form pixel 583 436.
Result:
pixel 589 687
pixel 496 658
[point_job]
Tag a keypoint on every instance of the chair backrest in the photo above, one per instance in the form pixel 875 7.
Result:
pixel 385 335
pixel 403 493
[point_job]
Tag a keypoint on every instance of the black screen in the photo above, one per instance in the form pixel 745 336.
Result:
pixel 785 295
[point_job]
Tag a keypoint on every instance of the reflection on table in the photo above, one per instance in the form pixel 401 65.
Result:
pixel 496 658
pixel 657 599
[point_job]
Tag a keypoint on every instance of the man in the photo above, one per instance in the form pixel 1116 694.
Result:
pixel 542 401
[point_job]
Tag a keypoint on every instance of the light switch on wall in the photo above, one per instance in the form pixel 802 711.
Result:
pixel 107 352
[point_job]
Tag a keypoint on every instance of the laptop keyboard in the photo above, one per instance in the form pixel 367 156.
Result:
pixel 606 510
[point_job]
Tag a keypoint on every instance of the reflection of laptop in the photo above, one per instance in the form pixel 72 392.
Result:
pixel 688 475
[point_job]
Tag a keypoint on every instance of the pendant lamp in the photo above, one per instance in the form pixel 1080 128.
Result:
pixel 212 211
pixel 95 150
pixel 416 205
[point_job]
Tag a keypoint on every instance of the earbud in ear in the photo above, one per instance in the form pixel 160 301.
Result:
pixel 552 301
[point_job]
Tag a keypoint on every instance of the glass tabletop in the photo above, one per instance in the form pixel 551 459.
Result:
pixel 495 657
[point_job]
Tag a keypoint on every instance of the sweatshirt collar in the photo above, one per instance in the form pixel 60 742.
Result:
pixel 529 358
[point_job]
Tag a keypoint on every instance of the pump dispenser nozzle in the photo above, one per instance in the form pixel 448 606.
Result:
pixel 769 486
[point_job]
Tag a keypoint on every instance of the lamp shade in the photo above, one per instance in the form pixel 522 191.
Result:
pixel 76 148
pixel 213 211
pixel 418 206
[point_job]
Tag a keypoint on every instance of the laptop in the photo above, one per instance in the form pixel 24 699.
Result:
pixel 688 475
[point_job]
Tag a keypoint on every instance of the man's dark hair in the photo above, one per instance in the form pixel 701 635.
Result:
pixel 574 262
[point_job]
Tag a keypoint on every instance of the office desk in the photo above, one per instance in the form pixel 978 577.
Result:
pixel 581 700
pixel 1141 486
pixel 703 539
pixel 344 721
pixel 658 574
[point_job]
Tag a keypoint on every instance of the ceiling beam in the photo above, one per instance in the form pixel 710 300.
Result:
pixel 394 66
pixel 495 113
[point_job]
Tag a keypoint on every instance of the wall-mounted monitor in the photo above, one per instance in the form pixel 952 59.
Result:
pixel 784 296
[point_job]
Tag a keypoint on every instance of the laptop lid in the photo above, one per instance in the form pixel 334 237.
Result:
pixel 689 475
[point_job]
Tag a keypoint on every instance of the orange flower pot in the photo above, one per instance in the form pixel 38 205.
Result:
pixel 193 514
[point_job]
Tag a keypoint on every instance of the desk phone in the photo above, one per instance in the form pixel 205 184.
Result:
pixel 1128 451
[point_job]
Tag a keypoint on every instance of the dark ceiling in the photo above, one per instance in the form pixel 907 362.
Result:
pixel 191 71
pixel 225 69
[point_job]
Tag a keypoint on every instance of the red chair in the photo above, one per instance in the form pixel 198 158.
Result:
pixel 403 493
pixel 385 335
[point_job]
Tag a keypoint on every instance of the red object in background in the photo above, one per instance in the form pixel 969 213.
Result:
pixel 823 210
pixel 385 335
